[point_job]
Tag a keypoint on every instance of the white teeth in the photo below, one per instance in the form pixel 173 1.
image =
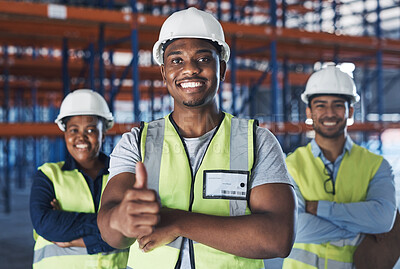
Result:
pixel 191 84
pixel 329 123
pixel 81 146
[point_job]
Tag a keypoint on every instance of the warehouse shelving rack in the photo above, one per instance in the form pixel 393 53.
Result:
pixel 48 49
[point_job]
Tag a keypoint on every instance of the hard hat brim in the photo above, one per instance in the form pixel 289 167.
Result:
pixel 158 53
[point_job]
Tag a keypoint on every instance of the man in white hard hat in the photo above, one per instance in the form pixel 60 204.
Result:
pixel 344 191
pixel 216 193
pixel 65 196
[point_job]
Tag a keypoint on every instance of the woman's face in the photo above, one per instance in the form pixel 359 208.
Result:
pixel 84 136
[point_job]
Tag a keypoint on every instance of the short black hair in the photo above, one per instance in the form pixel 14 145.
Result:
pixel 345 97
pixel 217 46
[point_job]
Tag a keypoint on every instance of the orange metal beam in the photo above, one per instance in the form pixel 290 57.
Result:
pixel 51 129
pixel 298 128
pixel 248 35
pixel 63 12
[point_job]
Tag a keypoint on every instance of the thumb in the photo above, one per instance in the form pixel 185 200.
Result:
pixel 140 177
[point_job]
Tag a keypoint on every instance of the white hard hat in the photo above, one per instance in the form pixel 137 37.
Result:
pixel 84 102
pixel 190 23
pixel 330 80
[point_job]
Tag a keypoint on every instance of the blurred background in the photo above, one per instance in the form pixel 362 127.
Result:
pixel 51 47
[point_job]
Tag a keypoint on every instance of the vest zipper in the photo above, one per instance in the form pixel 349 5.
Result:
pixel 191 250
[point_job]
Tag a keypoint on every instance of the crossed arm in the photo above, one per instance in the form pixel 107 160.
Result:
pixel 130 211
pixel 66 229
pixel 322 221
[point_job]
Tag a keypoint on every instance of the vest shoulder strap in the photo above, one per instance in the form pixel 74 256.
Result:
pixel 51 169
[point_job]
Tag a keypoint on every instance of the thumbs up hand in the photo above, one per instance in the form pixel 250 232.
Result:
pixel 139 210
pixel 141 176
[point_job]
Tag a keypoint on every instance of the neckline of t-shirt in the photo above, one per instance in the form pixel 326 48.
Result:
pixel 203 137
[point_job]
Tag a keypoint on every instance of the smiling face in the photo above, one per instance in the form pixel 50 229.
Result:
pixel 83 137
pixel 192 71
pixel 329 114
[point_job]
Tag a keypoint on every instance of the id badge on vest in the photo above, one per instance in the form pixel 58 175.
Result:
pixel 225 184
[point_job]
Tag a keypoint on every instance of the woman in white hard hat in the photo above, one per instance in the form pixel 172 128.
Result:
pixel 65 196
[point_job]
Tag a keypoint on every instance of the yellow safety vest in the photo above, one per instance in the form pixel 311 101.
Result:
pixel 351 185
pixel 73 194
pixel 231 149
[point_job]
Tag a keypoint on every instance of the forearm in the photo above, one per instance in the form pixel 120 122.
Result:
pixel 362 217
pixel 268 232
pixel 109 234
pixel 374 215
pixel 315 230
pixel 61 226
pixel 95 244
pixel 51 222
pixel 257 236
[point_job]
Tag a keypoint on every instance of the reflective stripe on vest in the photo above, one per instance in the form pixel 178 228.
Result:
pixel 351 186
pixel 73 194
pixel 298 256
pixel 170 175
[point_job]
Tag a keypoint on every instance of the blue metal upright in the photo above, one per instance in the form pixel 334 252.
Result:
pixel 379 75
pixel 101 45
pixel 65 74
pixel 335 15
pixel 135 62
pixel 219 10
pixel 232 11
pixel 233 75
pixel 285 90
pixel 6 188
pixel 112 82
pixel 320 20
pixel 274 66
pixel 91 67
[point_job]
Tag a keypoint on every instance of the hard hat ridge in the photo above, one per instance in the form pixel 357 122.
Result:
pixel 190 23
pixel 84 102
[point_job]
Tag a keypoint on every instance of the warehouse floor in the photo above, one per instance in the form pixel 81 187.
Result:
pixel 16 233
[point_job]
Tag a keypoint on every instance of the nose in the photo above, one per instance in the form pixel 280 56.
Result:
pixel 330 111
pixel 81 135
pixel 191 68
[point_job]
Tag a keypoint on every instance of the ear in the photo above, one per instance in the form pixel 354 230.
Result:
pixel 222 70
pixel 308 112
pixel 162 69
pixel 351 111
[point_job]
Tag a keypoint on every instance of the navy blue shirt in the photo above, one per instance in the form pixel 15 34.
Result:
pixel 63 226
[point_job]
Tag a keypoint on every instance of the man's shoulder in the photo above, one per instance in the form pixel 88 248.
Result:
pixel 264 132
pixel 362 150
pixel 128 138
pixel 363 154
pixel 299 151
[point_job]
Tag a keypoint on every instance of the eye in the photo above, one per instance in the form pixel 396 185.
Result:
pixel 339 105
pixel 176 61
pixel 204 59
pixel 91 131
pixel 72 130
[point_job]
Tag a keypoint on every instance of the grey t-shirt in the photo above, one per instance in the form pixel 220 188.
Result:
pixel 269 167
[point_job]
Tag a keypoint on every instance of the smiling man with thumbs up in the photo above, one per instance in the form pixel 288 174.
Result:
pixel 216 193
